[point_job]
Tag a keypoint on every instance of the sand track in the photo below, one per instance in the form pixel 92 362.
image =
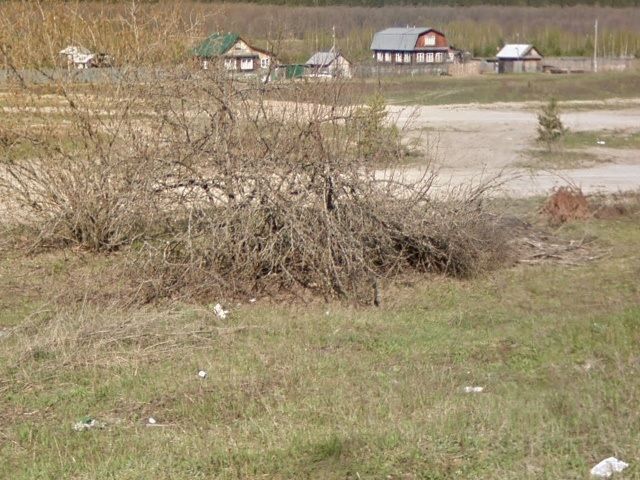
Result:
pixel 472 142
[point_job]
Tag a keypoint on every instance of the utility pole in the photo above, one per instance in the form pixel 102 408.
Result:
pixel 333 47
pixel 595 48
pixel 334 61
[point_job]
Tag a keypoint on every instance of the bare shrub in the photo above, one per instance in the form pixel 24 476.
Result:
pixel 76 172
pixel 228 186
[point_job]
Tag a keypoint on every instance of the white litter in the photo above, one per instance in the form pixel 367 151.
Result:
pixel 601 142
pixel 220 312
pixel 252 300
pixel 473 389
pixel 151 421
pixel 608 467
pixel 202 374
pixel 86 424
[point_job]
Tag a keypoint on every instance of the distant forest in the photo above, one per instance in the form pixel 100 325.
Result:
pixel 35 31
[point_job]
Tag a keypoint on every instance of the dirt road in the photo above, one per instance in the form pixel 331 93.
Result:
pixel 471 142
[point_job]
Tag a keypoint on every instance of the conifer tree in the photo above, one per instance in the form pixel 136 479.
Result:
pixel 550 127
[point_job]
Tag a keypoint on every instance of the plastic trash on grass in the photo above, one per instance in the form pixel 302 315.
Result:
pixel 86 423
pixel 473 389
pixel 220 312
pixel 608 467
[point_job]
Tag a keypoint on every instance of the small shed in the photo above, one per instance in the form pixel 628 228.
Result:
pixel 78 57
pixel 328 64
pixel 519 58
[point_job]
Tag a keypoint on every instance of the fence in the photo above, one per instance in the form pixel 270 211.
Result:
pixel 585 64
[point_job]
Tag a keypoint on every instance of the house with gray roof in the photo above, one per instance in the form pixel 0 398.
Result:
pixel 411 46
pixel 328 64
pixel 519 58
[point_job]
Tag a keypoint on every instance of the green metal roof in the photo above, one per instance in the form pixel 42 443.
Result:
pixel 216 44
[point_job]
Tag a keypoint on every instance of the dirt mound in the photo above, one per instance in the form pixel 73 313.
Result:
pixel 610 212
pixel 566 204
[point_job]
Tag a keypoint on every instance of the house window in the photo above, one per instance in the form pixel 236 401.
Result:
pixel 429 57
pixel 439 57
pixel 420 57
pixel 407 58
pixel 398 58
pixel 230 63
pixel 380 56
pixel 430 40
pixel 264 62
pixel 387 57
pixel 246 64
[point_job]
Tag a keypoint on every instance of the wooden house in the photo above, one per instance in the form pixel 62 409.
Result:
pixel 237 54
pixel 329 64
pixel 411 46
pixel 519 58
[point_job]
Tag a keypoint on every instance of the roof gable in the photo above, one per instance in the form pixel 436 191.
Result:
pixel 216 44
pixel 401 39
pixel 518 50
pixel 323 59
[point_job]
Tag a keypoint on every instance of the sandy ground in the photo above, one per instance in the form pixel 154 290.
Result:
pixel 475 142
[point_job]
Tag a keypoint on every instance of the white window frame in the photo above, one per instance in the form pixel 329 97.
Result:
pixel 407 58
pixel 387 57
pixel 380 56
pixel 399 57
pixel 429 57
pixel 230 63
pixel 265 62
pixel 244 64
pixel 439 57
pixel 430 41
pixel 420 57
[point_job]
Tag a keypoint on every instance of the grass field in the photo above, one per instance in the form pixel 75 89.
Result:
pixel 608 139
pixel 572 154
pixel 331 391
pixel 507 88
pixel 558 159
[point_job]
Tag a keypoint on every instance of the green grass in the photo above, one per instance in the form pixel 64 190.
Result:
pixel 612 138
pixel 428 90
pixel 557 159
pixel 332 391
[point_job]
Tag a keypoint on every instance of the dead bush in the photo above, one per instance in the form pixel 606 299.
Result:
pixel 217 187
pixel 566 204
pixel 86 182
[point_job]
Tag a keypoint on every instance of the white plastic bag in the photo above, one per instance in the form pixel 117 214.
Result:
pixel 220 312
pixel 608 467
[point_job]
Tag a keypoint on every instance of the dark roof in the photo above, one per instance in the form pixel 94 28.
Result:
pixel 401 39
pixel 216 44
